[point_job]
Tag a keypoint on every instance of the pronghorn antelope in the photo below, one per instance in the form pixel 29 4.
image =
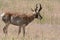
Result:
pixel 20 20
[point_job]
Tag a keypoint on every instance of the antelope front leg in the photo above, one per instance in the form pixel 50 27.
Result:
pixel 19 30
pixel 23 31
pixel 5 28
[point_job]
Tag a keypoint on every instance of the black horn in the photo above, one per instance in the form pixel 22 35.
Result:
pixel 37 10
pixel 40 7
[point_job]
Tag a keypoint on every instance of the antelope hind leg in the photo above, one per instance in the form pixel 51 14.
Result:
pixel 5 28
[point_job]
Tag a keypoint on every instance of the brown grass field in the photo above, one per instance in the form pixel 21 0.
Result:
pixel 46 29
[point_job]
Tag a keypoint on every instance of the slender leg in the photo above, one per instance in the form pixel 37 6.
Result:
pixel 23 31
pixel 23 27
pixel 19 30
pixel 5 28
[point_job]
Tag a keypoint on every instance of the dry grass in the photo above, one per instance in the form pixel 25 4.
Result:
pixel 46 29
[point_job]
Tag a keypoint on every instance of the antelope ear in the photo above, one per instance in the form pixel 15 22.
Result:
pixel 2 14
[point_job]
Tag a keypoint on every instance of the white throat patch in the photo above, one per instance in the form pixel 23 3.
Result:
pixel 2 14
pixel 34 12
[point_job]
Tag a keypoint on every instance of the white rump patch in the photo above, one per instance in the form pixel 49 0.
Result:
pixel 2 14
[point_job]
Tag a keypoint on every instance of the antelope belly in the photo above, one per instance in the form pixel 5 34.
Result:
pixel 17 21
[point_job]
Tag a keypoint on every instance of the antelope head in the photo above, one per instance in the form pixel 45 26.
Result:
pixel 37 10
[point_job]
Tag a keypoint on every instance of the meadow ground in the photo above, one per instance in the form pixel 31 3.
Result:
pixel 46 29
